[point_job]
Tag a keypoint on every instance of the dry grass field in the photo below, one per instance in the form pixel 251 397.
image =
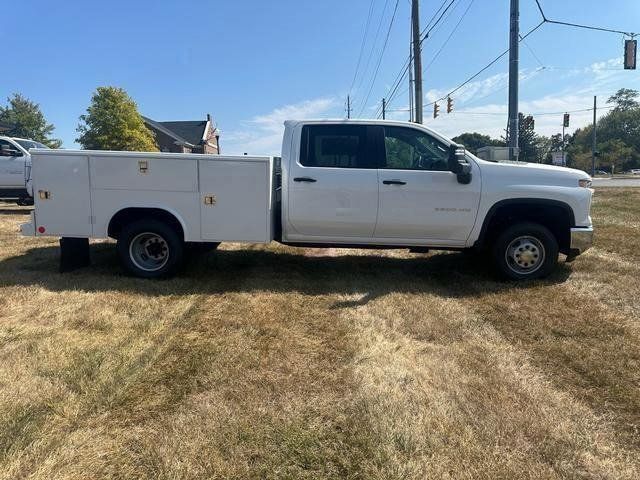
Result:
pixel 274 362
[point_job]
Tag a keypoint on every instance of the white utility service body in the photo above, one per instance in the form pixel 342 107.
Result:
pixel 356 183
pixel 214 198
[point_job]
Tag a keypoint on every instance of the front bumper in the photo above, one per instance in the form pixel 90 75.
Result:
pixel 581 239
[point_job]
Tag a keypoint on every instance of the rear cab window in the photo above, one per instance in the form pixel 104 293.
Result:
pixel 336 146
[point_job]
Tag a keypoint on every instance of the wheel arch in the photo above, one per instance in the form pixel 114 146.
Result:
pixel 131 214
pixel 556 215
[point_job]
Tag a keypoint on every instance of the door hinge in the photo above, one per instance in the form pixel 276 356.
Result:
pixel 210 200
pixel 143 166
pixel 44 194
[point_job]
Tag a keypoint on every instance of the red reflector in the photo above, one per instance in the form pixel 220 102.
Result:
pixel 41 229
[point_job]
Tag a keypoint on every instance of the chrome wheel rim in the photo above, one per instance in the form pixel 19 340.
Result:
pixel 525 255
pixel 149 251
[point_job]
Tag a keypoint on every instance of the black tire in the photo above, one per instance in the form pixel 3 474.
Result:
pixel 525 251
pixel 149 248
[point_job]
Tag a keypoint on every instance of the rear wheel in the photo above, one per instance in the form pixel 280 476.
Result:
pixel 149 248
pixel 525 251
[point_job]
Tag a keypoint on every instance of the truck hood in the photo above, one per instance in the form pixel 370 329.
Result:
pixel 534 173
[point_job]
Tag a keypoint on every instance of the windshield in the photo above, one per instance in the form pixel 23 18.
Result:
pixel 28 144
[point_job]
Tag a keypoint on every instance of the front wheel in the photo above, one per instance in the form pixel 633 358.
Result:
pixel 525 251
pixel 149 248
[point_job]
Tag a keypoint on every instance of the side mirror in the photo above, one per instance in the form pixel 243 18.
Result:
pixel 458 164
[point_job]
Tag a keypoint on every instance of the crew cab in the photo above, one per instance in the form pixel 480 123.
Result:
pixel 381 184
pixel 15 167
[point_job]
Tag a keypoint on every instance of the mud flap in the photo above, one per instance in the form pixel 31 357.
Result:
pixel 74 254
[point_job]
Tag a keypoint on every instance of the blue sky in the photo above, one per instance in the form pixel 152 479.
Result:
pixel 252 64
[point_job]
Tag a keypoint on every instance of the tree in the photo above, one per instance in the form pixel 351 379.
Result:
pixel 618 137
pixel 112 122
pixel 625 99
pixel 527 141
pixel 474 141
pixel 27 120
pixel 614 155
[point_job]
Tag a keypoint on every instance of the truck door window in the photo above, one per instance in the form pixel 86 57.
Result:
pixel 335 146
pixel 8 149
pixel 411 149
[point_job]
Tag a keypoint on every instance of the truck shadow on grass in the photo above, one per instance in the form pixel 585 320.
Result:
pixel 14 211
pixel 370 275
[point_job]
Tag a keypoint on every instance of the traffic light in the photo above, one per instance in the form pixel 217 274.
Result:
pixel 436 110
pixel 630 50
pixel 449 104
pixel 565 122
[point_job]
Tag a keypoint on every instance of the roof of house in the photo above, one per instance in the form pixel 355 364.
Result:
pixel 188 132
pixel 192 131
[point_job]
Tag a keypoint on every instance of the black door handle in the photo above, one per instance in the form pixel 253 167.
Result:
pixel 304 179
pixel 394 182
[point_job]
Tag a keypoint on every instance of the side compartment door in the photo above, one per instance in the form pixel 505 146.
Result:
pixel 62 194
pixel 419 197
pixel 235 200
pixel 333 185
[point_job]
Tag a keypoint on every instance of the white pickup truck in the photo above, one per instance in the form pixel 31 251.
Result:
pixel 15 167
pixel 349 183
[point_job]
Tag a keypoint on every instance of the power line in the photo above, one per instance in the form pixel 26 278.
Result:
pixel 407 63
pixel 364 38
pixel 438 27
pixel 404 69
pixel 434 15
pixel 423 35
pixel 482 70
pixel 522 75
pixel 451 34
pixel 384 47
pixel 536 114
pixel 578 25
pixel 486 67
pixel 526 44
pixel 373 45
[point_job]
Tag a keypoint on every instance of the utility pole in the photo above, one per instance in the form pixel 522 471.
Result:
pixel 417 58
pixel 593 145
pixel 348 106
pixel 514 33
pixel 411 97
pixel 563 126
pixel 384 108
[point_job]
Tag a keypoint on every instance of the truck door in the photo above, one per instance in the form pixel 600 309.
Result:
pixel 11 165
pixel 333 184
pixel 419 197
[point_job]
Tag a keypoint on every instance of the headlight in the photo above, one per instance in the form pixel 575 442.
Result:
pixel 584 182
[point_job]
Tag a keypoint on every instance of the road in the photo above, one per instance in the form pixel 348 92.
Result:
pixel 616 182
